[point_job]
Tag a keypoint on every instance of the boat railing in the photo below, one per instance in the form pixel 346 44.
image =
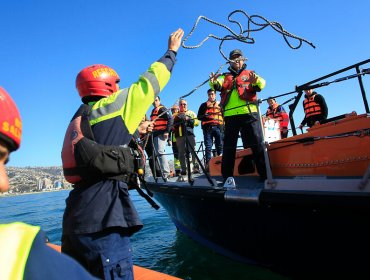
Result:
pixel 314 84
pixel 188 150
pixel 356 184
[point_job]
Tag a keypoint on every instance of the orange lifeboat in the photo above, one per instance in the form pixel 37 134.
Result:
pixel 140 273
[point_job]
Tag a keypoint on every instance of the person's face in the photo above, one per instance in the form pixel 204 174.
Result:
pixel 211 96
pixel 183 106
pixel 308 92
pixel 271 102
pixel 238 64
pixel 156 102
pixel 4 155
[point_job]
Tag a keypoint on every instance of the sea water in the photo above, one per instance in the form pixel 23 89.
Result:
pixel 158 246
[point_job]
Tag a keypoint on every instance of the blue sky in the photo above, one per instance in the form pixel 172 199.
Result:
pixel 44 44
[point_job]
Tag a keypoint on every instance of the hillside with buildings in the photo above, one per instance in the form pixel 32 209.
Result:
pixel 35 179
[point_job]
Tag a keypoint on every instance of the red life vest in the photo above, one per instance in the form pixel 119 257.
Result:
pixel 282 116
pixel 241 84
pixel 311 107
pixel 86 161
pixel 213 113
pixel 161 123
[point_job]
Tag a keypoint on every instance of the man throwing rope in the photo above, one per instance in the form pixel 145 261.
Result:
pixel 239 87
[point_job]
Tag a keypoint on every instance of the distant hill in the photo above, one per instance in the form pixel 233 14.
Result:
pixel 29 179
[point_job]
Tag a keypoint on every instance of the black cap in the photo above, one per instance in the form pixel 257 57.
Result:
pixel 235 52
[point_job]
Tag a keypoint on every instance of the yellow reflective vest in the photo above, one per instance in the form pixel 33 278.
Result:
pixel 16 240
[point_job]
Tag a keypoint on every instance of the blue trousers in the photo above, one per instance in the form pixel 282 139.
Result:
pixel 210 133
pixel 106 254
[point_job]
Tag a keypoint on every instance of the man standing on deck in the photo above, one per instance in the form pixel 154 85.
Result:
pixel 276 111
pixel 239 90
pixel 162 126
pixel 212 125
pixel 315 108
pixel 101 160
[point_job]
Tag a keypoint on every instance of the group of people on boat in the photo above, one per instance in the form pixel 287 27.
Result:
pixel 103 160
pixel 236 114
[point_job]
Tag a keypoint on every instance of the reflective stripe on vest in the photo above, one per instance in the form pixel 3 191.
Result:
pixel 85 161
pixel 16 241
pixel 161 123
pixel 311 107
pixel 213 114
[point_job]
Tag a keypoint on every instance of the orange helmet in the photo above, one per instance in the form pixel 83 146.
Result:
pixel 10 121
pixel 96 80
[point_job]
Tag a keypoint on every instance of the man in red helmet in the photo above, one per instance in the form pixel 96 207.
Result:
pixel 100 217
pixel 24 254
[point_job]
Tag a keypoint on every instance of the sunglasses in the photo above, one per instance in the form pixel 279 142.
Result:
pixel 183 104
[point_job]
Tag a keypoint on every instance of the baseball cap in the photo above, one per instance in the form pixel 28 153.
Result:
pixel 235 52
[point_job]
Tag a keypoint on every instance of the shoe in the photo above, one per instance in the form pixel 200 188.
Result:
pixel 262 178
pixel 207 167
pixel 182 178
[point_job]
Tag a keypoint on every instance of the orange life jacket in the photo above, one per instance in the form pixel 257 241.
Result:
pixel 213 113
pixel 161 123
pixel 282 116
pixel 86 161
pixel 241 84
pixel 311 107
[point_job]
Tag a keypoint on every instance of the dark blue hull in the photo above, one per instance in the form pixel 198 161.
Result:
pixel 299 234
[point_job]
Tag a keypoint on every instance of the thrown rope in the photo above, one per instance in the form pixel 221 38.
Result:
pixel 244 36
pixel 234 36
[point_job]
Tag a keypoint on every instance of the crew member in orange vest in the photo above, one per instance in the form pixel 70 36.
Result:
pixel 315 108
pixel 212 124
pixel 276 111
pixel 162 127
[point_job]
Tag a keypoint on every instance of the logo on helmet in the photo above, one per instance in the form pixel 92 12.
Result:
pixel 74 135
pixel 103 72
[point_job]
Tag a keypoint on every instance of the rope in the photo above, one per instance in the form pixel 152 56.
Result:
pixel 234 36
pixel 244 36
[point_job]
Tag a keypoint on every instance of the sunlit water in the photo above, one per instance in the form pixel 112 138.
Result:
pixel 157 246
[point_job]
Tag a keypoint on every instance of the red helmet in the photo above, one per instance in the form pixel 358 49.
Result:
pixel 97 79
pixel 10 121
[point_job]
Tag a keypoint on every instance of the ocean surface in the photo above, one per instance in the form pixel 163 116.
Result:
pixel 158 246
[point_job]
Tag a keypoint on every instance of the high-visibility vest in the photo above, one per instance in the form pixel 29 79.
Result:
pixel 213 114
pixel 161 123
pixel 16 241
pixel 311 107
pixel 180 125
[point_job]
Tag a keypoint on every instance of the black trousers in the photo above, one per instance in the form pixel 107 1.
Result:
pixel 251 133
pixel 149 153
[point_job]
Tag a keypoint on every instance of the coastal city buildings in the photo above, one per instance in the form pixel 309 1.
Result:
pixel 35 179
